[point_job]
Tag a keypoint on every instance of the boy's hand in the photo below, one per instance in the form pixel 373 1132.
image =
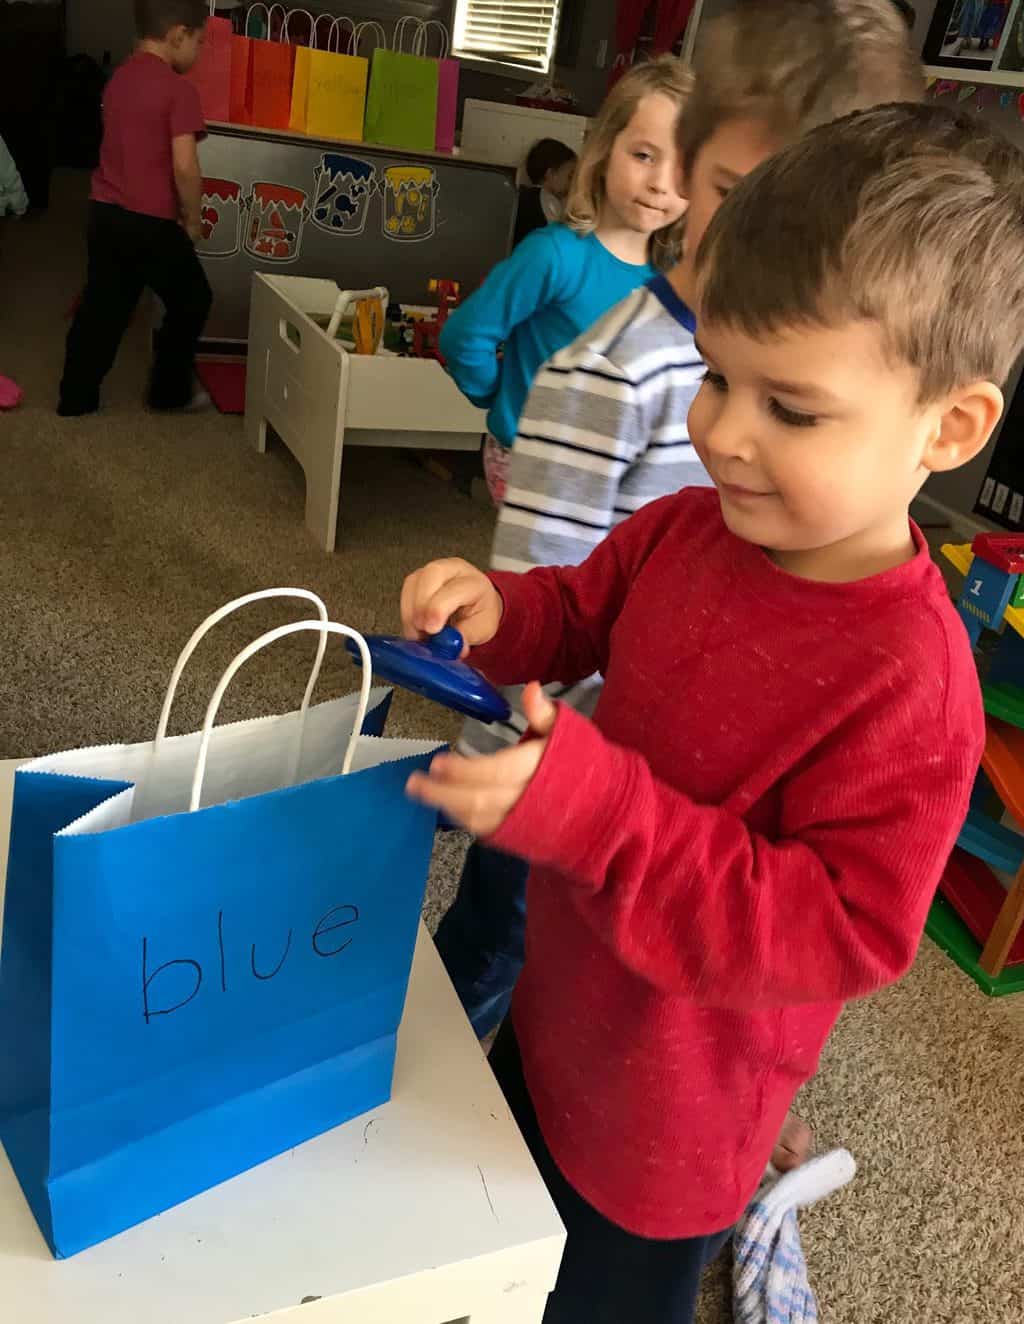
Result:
pixel 194 230
pixel 479 794
pixel 451 591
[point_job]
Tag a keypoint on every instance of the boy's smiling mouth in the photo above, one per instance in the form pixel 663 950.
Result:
pixel 737 493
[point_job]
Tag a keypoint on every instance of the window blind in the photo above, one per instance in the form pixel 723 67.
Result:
pixel 516 32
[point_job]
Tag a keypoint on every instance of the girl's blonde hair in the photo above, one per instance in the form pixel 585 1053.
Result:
pixel 672 78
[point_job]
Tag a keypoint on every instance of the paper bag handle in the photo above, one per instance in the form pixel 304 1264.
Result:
pixel 336 30
pixel 218 616
pixel 282 632
pixel 270 23
pixel 406 23
pixel 423 36
pixel 378 32
pixel 249 13
pixel 286 35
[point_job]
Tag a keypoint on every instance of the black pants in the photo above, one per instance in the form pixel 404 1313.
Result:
pixel 129 252
pixel 482 938
pixel 608 1276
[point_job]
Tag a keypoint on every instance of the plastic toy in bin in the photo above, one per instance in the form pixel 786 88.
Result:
pixel 434 670
pixel 427 334
pixel 993 582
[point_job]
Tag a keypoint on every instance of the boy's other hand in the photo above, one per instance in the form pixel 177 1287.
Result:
pixel 451 591
pixel 194 230
pixel 479 794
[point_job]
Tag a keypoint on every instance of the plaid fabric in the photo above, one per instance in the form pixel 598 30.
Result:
pixel 770 1284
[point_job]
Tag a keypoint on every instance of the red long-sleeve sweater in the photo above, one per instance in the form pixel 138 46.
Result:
pixel 748 834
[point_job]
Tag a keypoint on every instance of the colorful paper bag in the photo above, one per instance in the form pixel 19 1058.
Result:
pixel 272 69
pixel 207 941
pixel 334 88
pixel 447 82
pixel 300 67
pixel 401 101
pixel 300 90
pixel 447 103
pixel 211 73
pixel 240 99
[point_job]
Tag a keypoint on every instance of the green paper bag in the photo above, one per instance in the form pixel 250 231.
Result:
pixel 401 102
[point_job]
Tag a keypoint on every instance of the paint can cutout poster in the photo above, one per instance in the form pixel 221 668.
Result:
pixel 343 187
pixel 221 218
pixel 277 217
pixel 410 202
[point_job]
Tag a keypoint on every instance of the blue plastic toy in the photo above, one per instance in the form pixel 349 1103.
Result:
pixel 434 670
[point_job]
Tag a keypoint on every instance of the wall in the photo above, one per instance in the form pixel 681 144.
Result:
pixel 95 26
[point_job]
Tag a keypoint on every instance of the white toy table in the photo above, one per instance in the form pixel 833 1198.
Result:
pixel 319 398
pixel 425 1211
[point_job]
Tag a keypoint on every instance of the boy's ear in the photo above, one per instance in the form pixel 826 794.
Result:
pixel 968 419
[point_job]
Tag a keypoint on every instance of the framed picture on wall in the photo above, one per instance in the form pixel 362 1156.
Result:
pixel 973 34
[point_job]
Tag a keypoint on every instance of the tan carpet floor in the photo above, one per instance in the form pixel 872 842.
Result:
pixel 119 533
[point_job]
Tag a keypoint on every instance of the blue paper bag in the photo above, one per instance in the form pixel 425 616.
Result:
pixel 185 994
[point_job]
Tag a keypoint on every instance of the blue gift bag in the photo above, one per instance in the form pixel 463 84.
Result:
pixel 184 992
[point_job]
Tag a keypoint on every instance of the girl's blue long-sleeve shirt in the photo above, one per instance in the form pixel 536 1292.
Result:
pixel 555 285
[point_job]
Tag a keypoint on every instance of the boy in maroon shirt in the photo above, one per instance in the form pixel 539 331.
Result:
pixel 752 828
pixel 144 214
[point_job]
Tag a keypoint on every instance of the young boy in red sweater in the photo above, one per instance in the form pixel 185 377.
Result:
pixel 751 829
pixel 144 214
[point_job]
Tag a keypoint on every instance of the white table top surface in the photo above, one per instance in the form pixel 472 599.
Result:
pixel 439 1176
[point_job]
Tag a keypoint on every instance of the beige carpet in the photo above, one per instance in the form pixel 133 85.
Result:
pixel 119 533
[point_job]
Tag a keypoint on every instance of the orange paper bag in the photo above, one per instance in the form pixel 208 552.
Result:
pixel 273 67
pixel 240 97
pixel 211 73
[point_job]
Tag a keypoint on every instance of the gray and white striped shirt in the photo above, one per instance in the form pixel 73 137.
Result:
pixel 602 433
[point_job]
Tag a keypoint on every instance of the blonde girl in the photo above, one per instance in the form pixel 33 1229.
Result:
pixel 624 223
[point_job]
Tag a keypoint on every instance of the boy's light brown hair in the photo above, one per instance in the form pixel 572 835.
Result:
pixel 795 64
pixel 909 216
pixel 667 75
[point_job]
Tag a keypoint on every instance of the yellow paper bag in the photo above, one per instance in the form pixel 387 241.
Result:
pixel 336 100
pixel 300 89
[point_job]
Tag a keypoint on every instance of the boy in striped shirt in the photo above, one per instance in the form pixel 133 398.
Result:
pixel 604 430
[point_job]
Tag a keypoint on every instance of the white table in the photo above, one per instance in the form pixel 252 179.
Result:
pixel 319 398
pixel 425 1211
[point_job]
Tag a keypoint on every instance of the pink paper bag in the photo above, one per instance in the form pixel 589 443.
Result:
pixel 447 103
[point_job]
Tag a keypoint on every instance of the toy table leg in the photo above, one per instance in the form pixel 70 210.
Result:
pixel 1004 930
pixel 255 397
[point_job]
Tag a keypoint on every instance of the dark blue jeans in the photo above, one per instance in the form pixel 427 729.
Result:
pixel 482 937
pixel 608 1275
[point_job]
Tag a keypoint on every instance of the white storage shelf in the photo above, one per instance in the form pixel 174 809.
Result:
pixel 319 398
pixel 504 134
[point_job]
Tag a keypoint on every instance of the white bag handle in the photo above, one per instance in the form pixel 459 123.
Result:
pixel 271 637
pixel 285 31
pixel 348 297
pixel 249 13
pixel 270 22
pixel 214 619
pixel 361 28
pixel 314 40
pixel 406 23
pixel 446 42
pixel 335 32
